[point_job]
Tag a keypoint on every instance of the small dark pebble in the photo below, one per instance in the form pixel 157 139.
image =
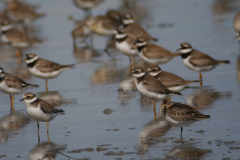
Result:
pixel 200 131
pixel 120 153
pixel 99 149
pixel 116 129
pixel 108 129
pixel 89 149
pixel 107 111
pixel 178 141
pixel 209 142
pixel 76 151
pixel 132 128
pixel 1 156
pixel 18 156
pixel 234 147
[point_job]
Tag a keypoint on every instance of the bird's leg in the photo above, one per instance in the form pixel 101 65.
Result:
pixel 19 55
pixel 38 127
pixel 155 115
pixel 47 126
pixel 154 104
pixel 132 61
pixel 74 44
pixel 46 85
pixel 200 79
pixel 48 137
pixel 181 131
pixel 12 99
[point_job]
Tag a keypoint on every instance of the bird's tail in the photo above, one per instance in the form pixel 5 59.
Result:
pixel 176 54
pixel 154 39
pixel 33 85
pixel 68 66
pixel 60 111
pixel 173 92
pixel 202 116
pixel 227 61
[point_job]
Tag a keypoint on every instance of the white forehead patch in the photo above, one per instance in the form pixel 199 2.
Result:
pixel 28 61
pixel 128 21
pixel 155 73
pixel 185 50
pixel 120 36
pixel 30 100
pixel 141 43
pixel 138 75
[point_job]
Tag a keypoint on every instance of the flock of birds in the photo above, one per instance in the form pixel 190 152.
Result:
pixel 129 37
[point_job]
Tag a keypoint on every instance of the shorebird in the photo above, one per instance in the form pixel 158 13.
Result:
pixel 153 53
pixel 197 61
pixel 81 30
pixel 150 86
pixel 43 68
pixel 104 25
pixel 179 114
pixel 170 80
pixel 40 110
pixel 133 28
pixel 11 85
pixel 126 43
pixel 16 38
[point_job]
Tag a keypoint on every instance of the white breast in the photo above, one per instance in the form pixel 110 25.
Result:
pixel 46 75
pixel 126 49
pixel 178 88
pixel 197 68
pixel 6 89
pixel 154 60
pixel 37 114
pixel 149 94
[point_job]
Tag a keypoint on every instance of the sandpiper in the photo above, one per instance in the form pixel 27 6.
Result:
pixel 153 53
pixel 170 80
pixel 39 109
pixel 196 60
pixel 150 86
pixel 43 68
pixel 11 85
pixel 179 114
pixel 135 29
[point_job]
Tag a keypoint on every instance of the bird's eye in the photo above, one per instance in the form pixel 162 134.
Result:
pixel 28 96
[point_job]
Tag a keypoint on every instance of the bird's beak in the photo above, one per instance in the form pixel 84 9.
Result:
pixel 24 59
pixel 178 49
pixel 21 100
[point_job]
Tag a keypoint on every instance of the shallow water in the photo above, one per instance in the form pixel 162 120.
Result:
pixel 130 131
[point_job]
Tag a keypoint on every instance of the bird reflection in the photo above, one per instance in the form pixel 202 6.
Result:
pixel 224 6
pixel 187 152
pixel 152 131
pixel 107 74
pixel 54 98
pixel 238 69
pixel 86 53
pixel 46 150
pixel 203 98
pixel 11 123
pixel 22 73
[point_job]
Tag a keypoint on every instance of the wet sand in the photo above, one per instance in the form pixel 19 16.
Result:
pixel 127 130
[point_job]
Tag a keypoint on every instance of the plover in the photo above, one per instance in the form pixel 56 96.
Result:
pixel 39 109
pixel 170 80
pixel 43 68
pixel 150 86
pixel 126 43
pixel 196 60
pixel 135 29
pixel 153 53
pixel 11 85
pixel 179 114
